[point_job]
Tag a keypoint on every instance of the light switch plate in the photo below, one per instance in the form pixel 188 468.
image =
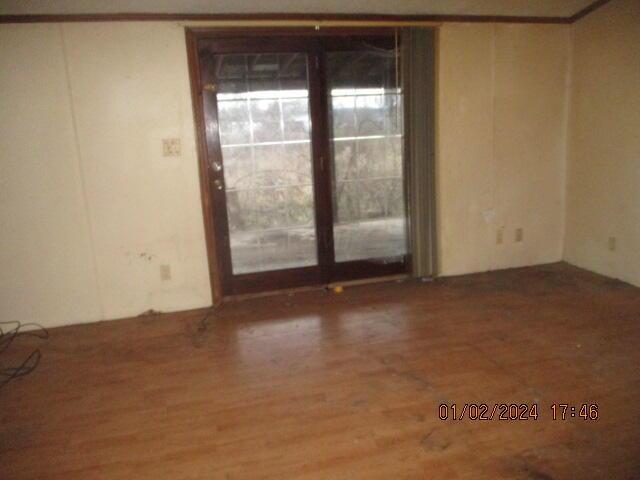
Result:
pixel 171 147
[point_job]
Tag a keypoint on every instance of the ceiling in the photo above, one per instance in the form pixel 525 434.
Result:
pixel 526 8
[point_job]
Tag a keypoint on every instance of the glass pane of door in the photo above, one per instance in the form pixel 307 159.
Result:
pixel 264 126
pixel 365 104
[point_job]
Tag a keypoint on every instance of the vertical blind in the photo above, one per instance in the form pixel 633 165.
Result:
pixel 418 83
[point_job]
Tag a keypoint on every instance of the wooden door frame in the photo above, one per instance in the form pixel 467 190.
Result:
pixel 320 145
pixel 203 166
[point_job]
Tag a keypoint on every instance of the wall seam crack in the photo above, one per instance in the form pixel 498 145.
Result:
pixel 81 173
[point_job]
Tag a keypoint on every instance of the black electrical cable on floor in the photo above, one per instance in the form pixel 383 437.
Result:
pixel 7 337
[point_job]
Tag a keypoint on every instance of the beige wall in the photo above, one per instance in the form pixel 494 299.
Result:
pixel 603 191
pixel 47 270
pixel 90 208
pixel 502 110
pixel 130 89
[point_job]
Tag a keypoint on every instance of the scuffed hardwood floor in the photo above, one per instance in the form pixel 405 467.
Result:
pixel 323 386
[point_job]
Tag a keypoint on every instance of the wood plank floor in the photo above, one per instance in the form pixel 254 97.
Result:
pixel 324 386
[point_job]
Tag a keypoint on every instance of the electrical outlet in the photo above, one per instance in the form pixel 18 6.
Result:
pixel 500 236
pixel 519 234
pixel 165 273
pixel 612 244
pixel 171 147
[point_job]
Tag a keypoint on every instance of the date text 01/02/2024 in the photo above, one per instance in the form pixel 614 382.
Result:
pixel 516 411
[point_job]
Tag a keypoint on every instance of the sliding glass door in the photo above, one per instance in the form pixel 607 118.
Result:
pixel 264 125
pixel 365 113
pixel 304 158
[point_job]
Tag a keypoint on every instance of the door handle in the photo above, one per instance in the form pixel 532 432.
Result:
pixel 218 184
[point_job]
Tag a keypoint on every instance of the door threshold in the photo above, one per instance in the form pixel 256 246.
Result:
pixel 311 288
pixel 367 281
